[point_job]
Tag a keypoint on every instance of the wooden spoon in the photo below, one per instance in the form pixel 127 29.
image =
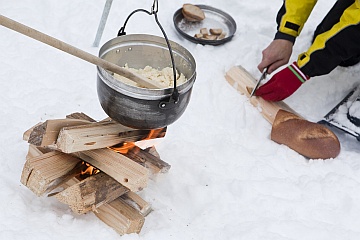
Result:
pixel 53 42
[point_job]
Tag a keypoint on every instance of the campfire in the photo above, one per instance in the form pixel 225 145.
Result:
pixel 93 167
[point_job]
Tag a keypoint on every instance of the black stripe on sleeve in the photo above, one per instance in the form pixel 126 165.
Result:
pixel 292 26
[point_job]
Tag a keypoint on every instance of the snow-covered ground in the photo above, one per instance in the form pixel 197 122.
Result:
pixel 228 179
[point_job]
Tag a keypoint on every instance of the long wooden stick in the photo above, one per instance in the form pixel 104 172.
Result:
pixel 53 42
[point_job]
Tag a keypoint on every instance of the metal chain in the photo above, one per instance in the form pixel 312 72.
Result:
pixel 154 11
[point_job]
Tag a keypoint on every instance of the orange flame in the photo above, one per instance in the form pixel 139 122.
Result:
pixel 125 147
pixel 154 133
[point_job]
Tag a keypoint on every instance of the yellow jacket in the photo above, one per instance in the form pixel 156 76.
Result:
pixel 341 41
pixel 295 16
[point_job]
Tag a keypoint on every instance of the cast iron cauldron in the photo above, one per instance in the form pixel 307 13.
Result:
pixel 142 108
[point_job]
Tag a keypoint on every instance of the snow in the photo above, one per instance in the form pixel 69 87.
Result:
pixel 228 180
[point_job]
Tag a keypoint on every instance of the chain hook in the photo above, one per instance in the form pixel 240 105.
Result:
pixel 155 7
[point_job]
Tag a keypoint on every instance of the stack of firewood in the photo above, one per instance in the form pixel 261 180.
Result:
pixel 89 166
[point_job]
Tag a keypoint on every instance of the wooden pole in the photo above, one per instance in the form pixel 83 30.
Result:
pixel 102 23
pixel 53 42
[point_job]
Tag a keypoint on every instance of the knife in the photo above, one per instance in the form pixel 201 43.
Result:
pixel 263 76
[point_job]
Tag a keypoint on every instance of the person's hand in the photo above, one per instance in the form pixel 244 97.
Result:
pixel 276 55
pixel 282 84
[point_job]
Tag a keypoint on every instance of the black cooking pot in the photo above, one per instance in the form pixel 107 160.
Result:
pixel 137 107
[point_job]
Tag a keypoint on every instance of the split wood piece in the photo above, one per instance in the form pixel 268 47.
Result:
pixel 35 151
pixel 124 222
pixel 46 133
pixel 146 159
pixel 106 119
pixel 242 81
pixel 91 193
pixel 28 132
pixel 81 116
pixel 137 202
pixel 42 172
pixel 127 172
pixel 152 150
pixel 123 218
pixel 99 135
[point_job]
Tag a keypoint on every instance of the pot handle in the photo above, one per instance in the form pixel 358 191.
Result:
pixel 169 103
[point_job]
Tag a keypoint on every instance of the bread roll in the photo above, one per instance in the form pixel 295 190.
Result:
pixel 210 37
pixel 310 139
pixel 192 13
pixel 204 31
pixel 216 31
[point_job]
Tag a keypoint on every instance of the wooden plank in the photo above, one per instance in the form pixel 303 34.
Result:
pixel 98 135
pixel 243 82
pixel 44 170
pixel 123 218
pixel 91 193
pixel 27 169
pixel 148 160
pixel 45 134
pixel 127 172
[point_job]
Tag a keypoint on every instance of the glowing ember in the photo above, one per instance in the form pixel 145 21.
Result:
pixel 88 170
